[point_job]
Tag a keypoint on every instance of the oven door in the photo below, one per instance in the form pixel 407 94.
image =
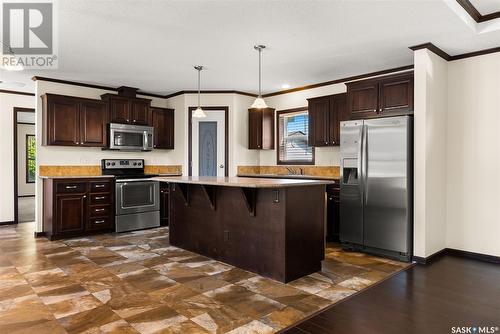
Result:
pixel 136 196
pixel 130 137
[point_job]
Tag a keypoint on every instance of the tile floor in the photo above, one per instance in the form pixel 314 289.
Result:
pixel 138 283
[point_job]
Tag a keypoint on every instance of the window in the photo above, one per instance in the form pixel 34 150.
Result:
pixel 293 133
pixel 30 159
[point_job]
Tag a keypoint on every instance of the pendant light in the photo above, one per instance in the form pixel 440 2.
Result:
pixel 199 113
pixel 259 102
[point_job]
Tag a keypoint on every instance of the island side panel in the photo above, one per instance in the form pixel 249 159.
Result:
pixel 305 230
pixel 230 233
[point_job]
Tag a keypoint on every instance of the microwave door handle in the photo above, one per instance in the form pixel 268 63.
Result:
pixel 145 141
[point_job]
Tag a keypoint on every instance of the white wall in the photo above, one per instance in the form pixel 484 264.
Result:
pixel 430 153
pixel 7 104
pixel 23 188
pixel 473 155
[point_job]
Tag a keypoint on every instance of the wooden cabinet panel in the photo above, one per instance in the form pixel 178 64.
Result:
pixel 396 95
pixel 325 115
pixel 164 203
pixel 140 112
pixel 61 120
pixel 384 96
pixel 261 129
pixel 119 109
pixel 71 213
pixel 333 213
pixel 319 109
pixel 93 120
pixel 163 124
pixel 338 107
pixel 73 207
pixel 363 99
pixel 255 129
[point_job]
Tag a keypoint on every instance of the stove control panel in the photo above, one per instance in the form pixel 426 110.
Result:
pixel 122 164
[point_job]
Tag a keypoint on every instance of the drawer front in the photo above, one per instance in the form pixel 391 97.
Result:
pixel 100 186
pixel 71 187
pixel 100 223
pixel 96 199
pixel 100 211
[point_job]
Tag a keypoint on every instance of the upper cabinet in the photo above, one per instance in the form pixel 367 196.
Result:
pixel 382 96
pixel 128 110
pixel 261 129
pixel 162 121
pixel 73 121
pixel 325 115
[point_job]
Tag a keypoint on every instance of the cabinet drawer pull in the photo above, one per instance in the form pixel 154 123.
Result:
pixel 100 197
pixel 99 222
pixel 98 210
pixel 100 185
pixel 70 187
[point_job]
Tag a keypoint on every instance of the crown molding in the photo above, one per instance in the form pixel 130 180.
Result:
pixel 431 47
pixel 6 91
pixel 475 14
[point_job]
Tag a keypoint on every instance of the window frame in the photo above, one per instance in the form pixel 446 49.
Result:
pixel 26 158
pixel 291 162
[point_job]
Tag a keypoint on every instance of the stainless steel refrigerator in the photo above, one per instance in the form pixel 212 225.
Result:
pixel 376 199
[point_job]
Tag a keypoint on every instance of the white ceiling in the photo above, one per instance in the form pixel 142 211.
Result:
pixel 486 6
pixel 153 45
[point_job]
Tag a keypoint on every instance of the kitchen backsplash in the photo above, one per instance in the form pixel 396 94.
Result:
pixel 323 171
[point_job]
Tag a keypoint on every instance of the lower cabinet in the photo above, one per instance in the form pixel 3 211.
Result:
pixel 333 213
pixel 74 207
pixel 164 205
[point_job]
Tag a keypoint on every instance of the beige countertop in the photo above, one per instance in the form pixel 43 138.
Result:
pixel 76 176
pixel 243 182
pixel 291 176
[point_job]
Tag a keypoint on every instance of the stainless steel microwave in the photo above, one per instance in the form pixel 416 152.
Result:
pixel 130 137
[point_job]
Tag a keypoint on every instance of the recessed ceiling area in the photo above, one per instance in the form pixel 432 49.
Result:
pixel 486 7
pixel 153 47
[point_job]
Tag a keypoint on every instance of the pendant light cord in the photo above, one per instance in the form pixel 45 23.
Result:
pixel 199 92
pixel 260 72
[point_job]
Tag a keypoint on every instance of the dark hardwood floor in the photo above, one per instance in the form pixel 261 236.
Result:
pixel 429 298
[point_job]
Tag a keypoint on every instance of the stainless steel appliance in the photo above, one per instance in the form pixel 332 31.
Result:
pixel 130 137
pixel 376 209
pixel 137 196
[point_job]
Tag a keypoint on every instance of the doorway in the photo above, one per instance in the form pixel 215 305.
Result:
pixel 208 142
pixel 24 165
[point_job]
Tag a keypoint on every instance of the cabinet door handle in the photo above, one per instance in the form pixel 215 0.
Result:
pixel 128 120
pixel 374 110
pixel 100 197
pixel 380 110
pixel 84 196
pixel 333 142
pixel 98 210
pixel 99 221
pixel 100 185
pixel 70 187
pixel 133 120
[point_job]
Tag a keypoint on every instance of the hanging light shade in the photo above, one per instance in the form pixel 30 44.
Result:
pixel 259 102
pixel 199 113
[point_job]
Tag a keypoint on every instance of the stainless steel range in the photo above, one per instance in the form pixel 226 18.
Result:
pixel 137 196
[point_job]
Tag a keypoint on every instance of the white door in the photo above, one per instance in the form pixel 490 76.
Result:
pixel 208 152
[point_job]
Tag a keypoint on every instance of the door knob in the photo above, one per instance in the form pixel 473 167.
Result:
pixel 221 166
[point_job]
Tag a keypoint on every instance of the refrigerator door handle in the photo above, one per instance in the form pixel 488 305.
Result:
pixel 365 163
pixel 360 163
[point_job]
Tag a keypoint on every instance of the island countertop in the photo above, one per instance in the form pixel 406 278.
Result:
pixel 242 182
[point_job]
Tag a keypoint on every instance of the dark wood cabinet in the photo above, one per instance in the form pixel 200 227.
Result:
pixel 71 213
pixel 164 203
pixel 333 213
pixel 74 121
pixel 261 129
pixel 128 110
pixel 325 115
pixel 162 120
pixel 74 207
pixel 379 97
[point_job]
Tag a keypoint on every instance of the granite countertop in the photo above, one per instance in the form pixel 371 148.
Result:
pixel 292 176
pixel 243 182
pixel 75 176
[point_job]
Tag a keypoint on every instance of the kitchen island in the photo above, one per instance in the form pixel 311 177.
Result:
pixel 273 227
